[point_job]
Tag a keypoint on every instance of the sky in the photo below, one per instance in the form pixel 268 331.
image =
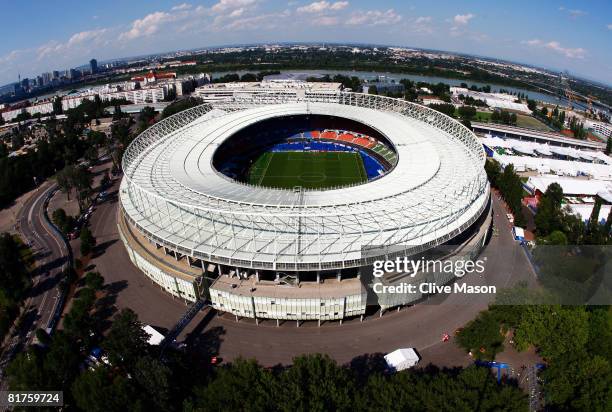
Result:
pixel 40 36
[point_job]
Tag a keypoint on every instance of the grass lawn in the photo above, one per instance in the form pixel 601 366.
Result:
pixel 531 123
pixel 483 116
pixel 310 170
pixel 522 120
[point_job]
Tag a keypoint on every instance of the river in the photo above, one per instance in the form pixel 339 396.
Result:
pixel 303 74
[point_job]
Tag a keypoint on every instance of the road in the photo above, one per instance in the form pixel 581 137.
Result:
pixel 50 253
pixel 420 326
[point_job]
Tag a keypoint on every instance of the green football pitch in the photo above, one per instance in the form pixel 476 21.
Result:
pixel 311 170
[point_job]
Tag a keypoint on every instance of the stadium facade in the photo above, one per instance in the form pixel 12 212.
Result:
pixel 268 253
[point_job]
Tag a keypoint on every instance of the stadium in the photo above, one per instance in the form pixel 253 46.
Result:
pixel 275 208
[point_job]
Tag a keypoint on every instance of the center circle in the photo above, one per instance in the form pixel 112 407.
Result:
pixel 309 151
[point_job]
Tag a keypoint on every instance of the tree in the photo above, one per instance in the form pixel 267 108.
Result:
pixel 87 241
pixel 62 220
pixel 495 116
pixel 91 154
pixel 511 188
pixel 64 180
pixel 608 150
pixel 531 104
pixel 180 106
pixel 240 385
pixel 548 218
pixel 316 382
pixel 57 106
pixel 467 112
pixel 170 96
pixel 61 362
pixel 126 340
pixel 154 379
pixel 106 180
pixel 25 371
pixel 101 390
pixel 94 280
pixel 556 238
pixel 372 90
pixel 78 323
pixel 482 336
pixel 447 109
pixel 493 170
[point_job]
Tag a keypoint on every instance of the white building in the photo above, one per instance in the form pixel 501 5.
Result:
pixel 139 96
pixel 601 128
pixel 283 88
pixel 497 100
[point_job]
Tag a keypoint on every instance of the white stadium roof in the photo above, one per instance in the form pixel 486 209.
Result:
pixel 172 193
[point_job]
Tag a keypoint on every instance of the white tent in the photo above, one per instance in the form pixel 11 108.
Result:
pixel 401 359
pixel 155 338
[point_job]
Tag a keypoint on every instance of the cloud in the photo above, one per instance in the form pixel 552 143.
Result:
pixel 86 36
pixel 224 6
pixel 609 26
pixel 373 18
pixel 573 13
pixel 422 20
pixel 533 42
pixel 82 41
pixel 463 19
pixel 339 5
pixel 257 22
pixel 570 53
pixel 327 21
pixel 11 56
pixel 576 53
pixel 147 26
pixel 321 6
pixel 182 6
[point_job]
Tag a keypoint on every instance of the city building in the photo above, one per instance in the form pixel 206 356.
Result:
pixel 273 89
pixel 497 100
pixel 93 66
pixel 384 85
pixel 602 129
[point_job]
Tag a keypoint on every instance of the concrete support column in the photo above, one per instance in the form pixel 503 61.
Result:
pixel 297 323
pixel 236 318
pixel 297 277
pixel 318 277
pixel 277 323
pixel 339 276
pixel 319 322
pixel 277 278
pixel 257 275
pixel 361 318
